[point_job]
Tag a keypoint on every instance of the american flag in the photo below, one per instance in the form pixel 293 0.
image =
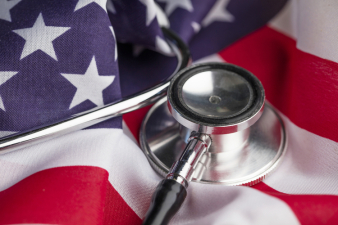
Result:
pixel 62 57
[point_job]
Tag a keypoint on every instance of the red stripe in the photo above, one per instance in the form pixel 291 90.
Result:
pixel 134 120
pixel 302 86
pixel 309 209
pixel 65 195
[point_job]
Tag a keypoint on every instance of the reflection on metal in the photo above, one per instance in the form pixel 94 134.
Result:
pixel 183 169
pixel 250 156
pixel 217 94
pixel 216 98
pixel 221 143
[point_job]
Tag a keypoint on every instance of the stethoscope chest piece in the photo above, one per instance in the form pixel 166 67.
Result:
pixel 227 103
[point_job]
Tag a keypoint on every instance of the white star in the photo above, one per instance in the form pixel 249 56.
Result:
pixel 82 3
pixel 110 6
pixel 196 26
pixel 6 133
pixel 5 7
pixel 4 76
pixel 162 46
pixel 151 10
pixel 171 5
pixel 112 30
pixel 89 85
pixel 40 37
pixel 218 13
pixel 161 17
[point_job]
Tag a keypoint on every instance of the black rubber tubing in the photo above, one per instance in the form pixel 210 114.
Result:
pixel 166 201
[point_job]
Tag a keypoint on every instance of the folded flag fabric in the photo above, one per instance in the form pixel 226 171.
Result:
pixel 62 57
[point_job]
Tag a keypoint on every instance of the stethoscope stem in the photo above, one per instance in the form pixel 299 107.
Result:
pixel 172 191
pixel 182 170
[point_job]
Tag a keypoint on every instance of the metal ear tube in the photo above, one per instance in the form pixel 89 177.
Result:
pixel 101 113
pixel 233 138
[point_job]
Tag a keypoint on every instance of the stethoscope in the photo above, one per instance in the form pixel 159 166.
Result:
pixel 209 124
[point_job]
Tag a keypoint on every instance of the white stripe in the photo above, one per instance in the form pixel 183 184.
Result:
pixel 318 30
pixel 313 23
pixel 131 175
pixel 215 204
pixel 310 165
pixel 286 20
pixel 109 149
pixel 127 132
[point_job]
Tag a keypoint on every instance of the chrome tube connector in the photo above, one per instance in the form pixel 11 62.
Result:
pixel 183 169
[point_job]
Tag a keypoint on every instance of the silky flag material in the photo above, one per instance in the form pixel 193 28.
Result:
pixel 62 57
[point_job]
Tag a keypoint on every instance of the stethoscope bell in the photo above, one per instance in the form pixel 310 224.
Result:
pixel 227 104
